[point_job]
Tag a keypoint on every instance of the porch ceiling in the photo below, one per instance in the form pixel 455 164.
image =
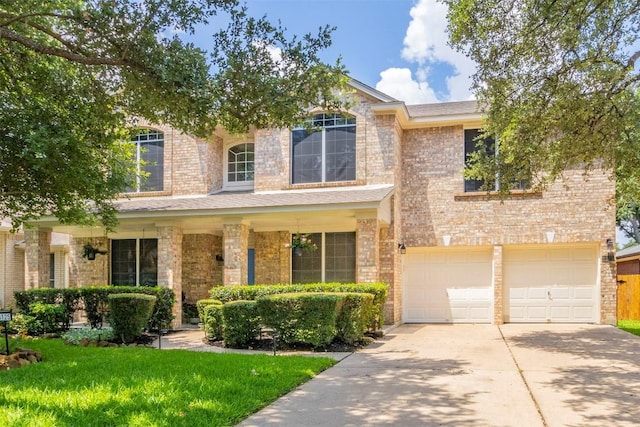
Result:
pixel 307 210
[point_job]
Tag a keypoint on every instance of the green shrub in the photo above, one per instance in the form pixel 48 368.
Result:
pixel 96 304
pixel 201 304
pixel 51 316
pixel 24 324
pixel 305 318
pixel 355 317
pixel 129 313
pixel 241 323
pixel 68 299
pixel 74 336
pixel 253 292
pixel 213 322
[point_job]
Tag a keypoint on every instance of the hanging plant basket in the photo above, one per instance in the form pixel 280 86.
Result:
pixel 301 242
pixel 89 252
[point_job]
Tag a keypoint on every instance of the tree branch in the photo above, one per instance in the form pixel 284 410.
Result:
pixel 632 61
pixel 54 51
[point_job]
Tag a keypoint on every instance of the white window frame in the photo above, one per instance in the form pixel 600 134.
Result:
pixel 138 154
pixel 323 130
pixel 237 185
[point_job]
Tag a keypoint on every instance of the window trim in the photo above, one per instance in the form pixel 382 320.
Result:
pixel 138 157
pixel 237 185
pixel 323 254
pixel 138 241
pixel 350 121
pixel 521 188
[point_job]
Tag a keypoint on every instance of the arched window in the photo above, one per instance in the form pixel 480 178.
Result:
pixel 149 156
pixel 326 152
pixel 240 160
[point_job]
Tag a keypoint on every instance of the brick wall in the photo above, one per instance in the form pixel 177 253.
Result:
pixel 170 266
pixel 200 271
pixel 83 272
pixel 236 244
pixel 273 259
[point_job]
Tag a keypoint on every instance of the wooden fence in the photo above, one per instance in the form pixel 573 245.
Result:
pixel 629 297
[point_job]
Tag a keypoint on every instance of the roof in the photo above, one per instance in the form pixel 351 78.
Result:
pixel 443 109
pixel 628 252
pixel 245 202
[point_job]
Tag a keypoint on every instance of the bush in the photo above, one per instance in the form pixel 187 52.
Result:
pixel 129 313
pixel 201 304
pixel 96 304
pixel 241 323
pixel 24 324
pixel 253 292
pixel 68 299
pixel 305 318
pixel 51 316
pixel 355 317
pixel 213 322
pixel 74 336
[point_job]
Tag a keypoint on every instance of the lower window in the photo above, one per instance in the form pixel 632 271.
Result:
pixel 333 261
pixel 134 262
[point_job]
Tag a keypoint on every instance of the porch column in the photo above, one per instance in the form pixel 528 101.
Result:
pixel 36 258
pixel 235 240
pixel 367 250
pixel 498 287
pixel 273 257
pixel 170 266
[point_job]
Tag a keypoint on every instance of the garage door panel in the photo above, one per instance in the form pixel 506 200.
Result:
pixel 455 286
pixel 551 284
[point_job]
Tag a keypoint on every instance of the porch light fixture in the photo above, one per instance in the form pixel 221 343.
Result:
pixel 611 256
pixel 219 260
pixel 402 248
pixel 550 236
pixel 446 240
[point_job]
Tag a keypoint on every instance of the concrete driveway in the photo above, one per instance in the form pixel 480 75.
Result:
pixel 475 375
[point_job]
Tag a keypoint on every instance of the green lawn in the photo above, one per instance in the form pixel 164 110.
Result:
pixel 84 386
pixel 632 326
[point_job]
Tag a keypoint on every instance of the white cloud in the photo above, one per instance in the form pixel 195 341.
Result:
pixel 425 45
pixel 398 83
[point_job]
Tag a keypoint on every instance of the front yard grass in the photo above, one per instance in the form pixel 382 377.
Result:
pixel 88 386
pixel 632 326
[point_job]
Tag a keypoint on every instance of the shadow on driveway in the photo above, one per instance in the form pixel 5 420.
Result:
pixel 580 375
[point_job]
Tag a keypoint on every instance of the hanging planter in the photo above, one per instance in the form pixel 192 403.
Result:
pixel 301 242
pixel 89 252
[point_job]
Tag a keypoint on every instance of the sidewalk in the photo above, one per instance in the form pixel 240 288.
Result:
pixel 192 339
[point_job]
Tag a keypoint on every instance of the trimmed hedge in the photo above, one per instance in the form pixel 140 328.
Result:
pixel 202 304
pixel 241 323
pixel 129 313
pixel 212 322
pixel 253 292
pixel 302 318
pixel 356 315
pixel 94 301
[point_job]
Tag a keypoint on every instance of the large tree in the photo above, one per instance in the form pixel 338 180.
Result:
pixel 73 74
pixel 558 82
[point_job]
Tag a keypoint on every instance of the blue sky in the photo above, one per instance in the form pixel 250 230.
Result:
pixel 396 46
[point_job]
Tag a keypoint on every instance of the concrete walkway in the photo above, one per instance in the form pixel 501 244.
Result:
pixel 474 375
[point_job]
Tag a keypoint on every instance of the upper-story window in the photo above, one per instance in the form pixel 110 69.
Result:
pixel 472 144
pixel 239 166
pixel 149 155
pixel 326 152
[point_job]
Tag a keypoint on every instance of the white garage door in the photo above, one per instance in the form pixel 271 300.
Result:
pixel 550 284
pixel 448 286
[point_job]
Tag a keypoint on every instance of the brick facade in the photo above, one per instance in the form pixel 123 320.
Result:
pixel 422 160
pixel 273 258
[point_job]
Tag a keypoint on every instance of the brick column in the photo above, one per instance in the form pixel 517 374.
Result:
pixel 273 258
pixel 608 288
pixel 170 266
pixel 36 258
pixel 368 250
pixel 498 287
pixel 235 240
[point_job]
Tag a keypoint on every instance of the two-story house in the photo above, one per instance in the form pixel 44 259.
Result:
pixel 380 189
